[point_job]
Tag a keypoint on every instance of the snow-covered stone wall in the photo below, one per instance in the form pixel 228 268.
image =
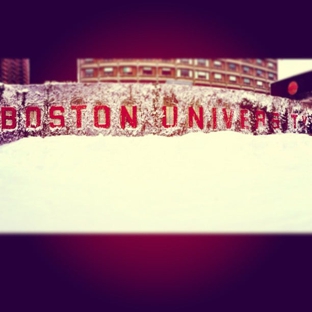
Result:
pixel 139 109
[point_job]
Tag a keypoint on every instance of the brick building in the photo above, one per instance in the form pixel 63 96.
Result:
pixel 14 71
pixel 246 74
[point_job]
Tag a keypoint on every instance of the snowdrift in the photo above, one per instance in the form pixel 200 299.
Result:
pixel 224 182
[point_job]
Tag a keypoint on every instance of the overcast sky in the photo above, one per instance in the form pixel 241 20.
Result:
pixel 291 67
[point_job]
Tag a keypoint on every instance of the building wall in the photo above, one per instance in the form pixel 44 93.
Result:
pixel 247 74
pixel 14 71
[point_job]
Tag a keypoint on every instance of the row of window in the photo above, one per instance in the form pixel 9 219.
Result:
pixel 183 73
pixel 150 71
pixel 245 69
pixel 127 71
pixel 205 63
pixel 231 66
pixel 234 79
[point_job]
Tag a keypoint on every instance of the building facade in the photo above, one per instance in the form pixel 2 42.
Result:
pixel 14 71
pixel 246 74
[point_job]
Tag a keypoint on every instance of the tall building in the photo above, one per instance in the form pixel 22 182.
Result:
pixel 14 71
pixel 246 74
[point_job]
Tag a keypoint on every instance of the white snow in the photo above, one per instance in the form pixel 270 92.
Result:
pixel 291 67
pixel 217 182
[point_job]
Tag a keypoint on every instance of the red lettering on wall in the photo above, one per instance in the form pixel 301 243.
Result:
pixel 294 117
pixel 260 117
pixel 243 119
pixel 304 119
pixel 126 117
pixel 227 119
pixel 59 117
pixel 199 119
pixel 106 111
pixel 175 117
pixel 78 109
pixel 275 121
pixel 8 117
pixel 35 112
pixel 214 118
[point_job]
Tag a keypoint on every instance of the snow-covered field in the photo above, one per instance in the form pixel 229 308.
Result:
pixel 216 182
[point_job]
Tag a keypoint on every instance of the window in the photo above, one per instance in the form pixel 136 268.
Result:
pixel 108 71
pixel 185 61
pixel 127 71
pixel 259 72
pixel 259 61
pixel 217 76
pixel 201 75
pixel 166 71
pixel 147 71
pixel 88 60
pixel 217 64
pixel 201 62
pixel 89 72
pixel 185 73
pixel 233 79
pixel 246 81
pixel 271 76
pixel 259 83
pixel 232 66
pixel 270 65
pixel 246 69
